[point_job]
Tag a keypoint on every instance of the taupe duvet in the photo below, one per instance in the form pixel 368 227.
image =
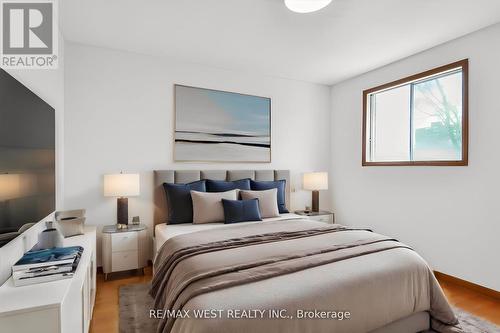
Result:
pixel 264 277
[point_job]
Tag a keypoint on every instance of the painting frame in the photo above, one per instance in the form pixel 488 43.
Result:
pixel 176 130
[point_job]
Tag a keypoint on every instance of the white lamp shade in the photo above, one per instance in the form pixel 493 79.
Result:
pixel 306 6
pixel 121 185
pixel 315 181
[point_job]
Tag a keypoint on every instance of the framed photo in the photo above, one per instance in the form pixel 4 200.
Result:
pixel 220 126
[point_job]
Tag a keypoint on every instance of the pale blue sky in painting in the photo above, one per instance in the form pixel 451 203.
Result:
pixel 221 112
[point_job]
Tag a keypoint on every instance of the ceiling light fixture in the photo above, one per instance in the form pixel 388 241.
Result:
pixel 306 6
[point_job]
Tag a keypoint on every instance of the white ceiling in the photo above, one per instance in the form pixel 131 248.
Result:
pixel 345 39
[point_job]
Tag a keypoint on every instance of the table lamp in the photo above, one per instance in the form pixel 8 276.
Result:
pixel 315 181
pixel 122 185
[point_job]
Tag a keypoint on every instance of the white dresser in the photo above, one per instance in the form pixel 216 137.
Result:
pixel 124 249
pixel 63 306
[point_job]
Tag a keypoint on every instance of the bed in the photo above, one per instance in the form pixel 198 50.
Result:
pixel 163 231
pixel 298 275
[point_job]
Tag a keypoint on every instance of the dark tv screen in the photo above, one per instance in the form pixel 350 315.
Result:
pixel 27 158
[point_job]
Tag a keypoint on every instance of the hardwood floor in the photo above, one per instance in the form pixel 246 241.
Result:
pixel 471 301
pixel 105 319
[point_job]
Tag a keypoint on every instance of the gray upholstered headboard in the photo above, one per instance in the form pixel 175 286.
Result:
pixel 186 176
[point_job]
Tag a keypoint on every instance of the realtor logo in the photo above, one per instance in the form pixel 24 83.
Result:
pixel 29 34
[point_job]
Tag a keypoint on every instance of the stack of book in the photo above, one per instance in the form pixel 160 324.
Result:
pixel 38 266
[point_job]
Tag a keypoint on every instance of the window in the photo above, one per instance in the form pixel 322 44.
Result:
pixel 418 120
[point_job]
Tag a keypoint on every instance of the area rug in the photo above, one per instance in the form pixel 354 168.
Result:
pixel 473 324
pixel 135 304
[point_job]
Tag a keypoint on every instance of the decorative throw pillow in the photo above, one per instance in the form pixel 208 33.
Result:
pixel 207 207
pixel 268 202
pixel 280 185
pixel 180 205
pixel 222 186
pixel 241 210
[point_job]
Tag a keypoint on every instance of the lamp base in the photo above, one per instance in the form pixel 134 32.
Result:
pixel 315 201
pixel 122 211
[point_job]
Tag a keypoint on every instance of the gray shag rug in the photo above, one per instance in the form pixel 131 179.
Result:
pixel 135 303
pixel 473 324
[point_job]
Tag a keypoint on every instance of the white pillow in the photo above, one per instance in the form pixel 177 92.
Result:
pixel 268 201
pixel 207 206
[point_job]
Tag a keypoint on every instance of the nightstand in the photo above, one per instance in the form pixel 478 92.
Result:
pixel 124 249
pixel 322 215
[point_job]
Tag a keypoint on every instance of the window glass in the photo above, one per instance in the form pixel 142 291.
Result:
pixel 437 119
pixel 391 119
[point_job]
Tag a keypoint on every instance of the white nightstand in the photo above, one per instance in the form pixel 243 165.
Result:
pixel 322 215
pixel 124 249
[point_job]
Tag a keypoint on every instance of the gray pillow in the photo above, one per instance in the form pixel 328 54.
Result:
pixel 71 226
pixel 268 201
pixel 207 206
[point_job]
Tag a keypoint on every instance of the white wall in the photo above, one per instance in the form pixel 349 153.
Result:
pixel 119 116
pixel 448 214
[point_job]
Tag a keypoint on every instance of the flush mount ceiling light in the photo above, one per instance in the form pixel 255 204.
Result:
pixel 306 6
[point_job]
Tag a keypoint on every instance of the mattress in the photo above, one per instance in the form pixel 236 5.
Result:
pixel 165 231
pixel 294 266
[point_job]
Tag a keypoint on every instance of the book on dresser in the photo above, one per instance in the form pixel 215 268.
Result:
pixel 39 266
pixel 24 281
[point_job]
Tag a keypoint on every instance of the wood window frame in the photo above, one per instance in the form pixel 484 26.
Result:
pixel 464 64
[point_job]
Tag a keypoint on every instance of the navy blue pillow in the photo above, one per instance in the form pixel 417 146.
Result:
pixel 180 204
pixel 241 210
pixel 278 184
pixel 223 186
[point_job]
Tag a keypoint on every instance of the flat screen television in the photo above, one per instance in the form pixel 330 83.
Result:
pixel 27 158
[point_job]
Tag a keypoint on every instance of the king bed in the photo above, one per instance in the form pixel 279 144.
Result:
pixel 291 273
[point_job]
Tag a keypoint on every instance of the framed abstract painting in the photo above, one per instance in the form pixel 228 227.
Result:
pixel 220 126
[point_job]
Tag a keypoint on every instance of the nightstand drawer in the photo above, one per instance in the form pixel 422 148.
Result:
pixel 124 241
pixel 322 218
pixel 122 261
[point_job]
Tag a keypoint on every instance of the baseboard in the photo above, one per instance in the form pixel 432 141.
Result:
pixel 469 285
